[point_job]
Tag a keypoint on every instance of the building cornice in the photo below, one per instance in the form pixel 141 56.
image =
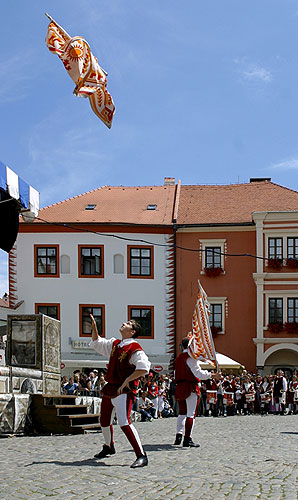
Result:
pixel 276 340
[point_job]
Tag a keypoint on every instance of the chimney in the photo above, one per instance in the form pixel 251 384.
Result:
pixel 260 179
pixel 169 181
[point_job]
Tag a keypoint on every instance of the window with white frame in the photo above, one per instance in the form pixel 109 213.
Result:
pixel 292 248
pixel 275 248
pixel 218 312
pixel 212 253
pixel 281 307
pixel 275 310
pixel 292 310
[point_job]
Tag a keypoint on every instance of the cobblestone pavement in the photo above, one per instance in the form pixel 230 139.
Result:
pixel 247 457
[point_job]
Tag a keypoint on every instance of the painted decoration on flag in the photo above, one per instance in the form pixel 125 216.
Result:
pixel 201 344
pixel 83 68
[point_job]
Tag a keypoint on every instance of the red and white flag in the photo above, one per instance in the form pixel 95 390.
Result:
pixel 201 344
pixel 83 68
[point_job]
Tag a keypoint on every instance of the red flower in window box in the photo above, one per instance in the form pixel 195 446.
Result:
pixel 291 326
pixel 275 327
pixel 274 263
pixel 292 262
pixel 213 271
pixel 215 330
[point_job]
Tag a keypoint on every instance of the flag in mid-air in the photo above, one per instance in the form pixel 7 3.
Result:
pixel 201 344
pixel 84 70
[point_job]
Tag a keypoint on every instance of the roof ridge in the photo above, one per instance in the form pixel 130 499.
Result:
pixel 71 198
pixel 284 187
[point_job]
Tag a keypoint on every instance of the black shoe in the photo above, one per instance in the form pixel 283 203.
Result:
pixel 178 439
pixel 188 443
pixel 141 461
pixel 106 451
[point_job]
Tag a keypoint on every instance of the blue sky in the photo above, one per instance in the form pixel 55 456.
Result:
pixel 206 92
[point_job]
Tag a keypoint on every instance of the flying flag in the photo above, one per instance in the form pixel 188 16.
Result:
pixel 201 344
pixel 83 68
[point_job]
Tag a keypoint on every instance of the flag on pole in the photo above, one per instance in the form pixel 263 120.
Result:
pixel 201 344
pixel 83 68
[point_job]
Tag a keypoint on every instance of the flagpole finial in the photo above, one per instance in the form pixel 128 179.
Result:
pixel 48 16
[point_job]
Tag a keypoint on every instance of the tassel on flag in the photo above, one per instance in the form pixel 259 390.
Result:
pixel 201 344
pixel 83 68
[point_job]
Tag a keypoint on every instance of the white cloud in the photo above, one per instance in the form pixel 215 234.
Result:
pixel 17 73
pixel 65 163
pixel 253 72
pixel 290 164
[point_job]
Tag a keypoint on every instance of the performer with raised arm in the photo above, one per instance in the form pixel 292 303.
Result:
pixel 188 374
pixel 127 362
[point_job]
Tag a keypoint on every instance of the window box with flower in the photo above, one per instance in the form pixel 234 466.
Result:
pixel 213 271
pixel 215 330
pixel 275 263
pixel 292 262
pixel 275 327
pixel 291 326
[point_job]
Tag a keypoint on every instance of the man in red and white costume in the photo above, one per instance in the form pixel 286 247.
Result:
pixel 127 362
pixel 188 374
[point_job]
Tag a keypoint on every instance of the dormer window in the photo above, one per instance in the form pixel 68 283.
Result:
pixel 90 206
pixel 151 207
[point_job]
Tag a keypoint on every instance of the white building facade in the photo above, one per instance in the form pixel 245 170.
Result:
pixel 115 272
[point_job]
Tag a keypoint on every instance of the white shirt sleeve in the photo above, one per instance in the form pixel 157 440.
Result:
pixel 103 346
pixel 285 384
pixel 140 360
pixel 196 370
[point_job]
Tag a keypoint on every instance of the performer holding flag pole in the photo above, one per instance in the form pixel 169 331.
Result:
pixel 197 345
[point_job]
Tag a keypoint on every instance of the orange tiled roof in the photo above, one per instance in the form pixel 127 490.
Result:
pixel 232 203
pixel 122 205
pixel 3 303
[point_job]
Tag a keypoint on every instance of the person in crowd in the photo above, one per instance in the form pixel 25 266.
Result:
pixel 64 381
pixel 229 394
pixel 220 404
pixel 280 387
pixel 71 388
pixel 265 396
pixel 187 375
pixel 211 396
pixel 101 382
pixel 145 407
pixel 127 362
pixel 152 390
pixel 248 395
pixel 295 396
pixel 84 384
pixel 167 410
pixel 257 385
pixel 92 382
pixel 160 397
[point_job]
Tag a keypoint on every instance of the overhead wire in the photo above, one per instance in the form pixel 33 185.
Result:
pixel 140 240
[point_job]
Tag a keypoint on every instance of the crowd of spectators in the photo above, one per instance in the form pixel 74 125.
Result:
pixel 248 394
pixel 233 394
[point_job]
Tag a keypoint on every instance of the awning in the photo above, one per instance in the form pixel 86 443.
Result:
pixel 16 196
pixel 224 362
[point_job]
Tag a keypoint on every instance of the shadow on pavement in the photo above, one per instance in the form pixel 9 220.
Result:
pixel 77 463
pixel 289 432
pixel 159 447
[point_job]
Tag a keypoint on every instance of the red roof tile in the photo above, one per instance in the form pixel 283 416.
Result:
pixel 233 203
pixel 3 303
pixel 122 205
